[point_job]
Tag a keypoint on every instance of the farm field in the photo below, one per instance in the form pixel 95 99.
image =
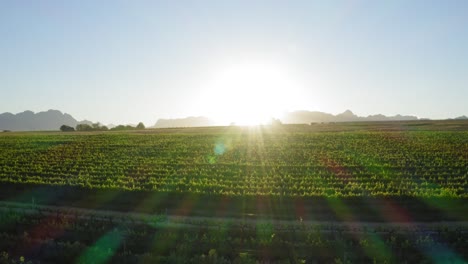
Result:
pixel 239 132
pixel 357 192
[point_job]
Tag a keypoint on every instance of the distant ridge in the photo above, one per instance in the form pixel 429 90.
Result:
pixel 30 121
pixel 463 117
pixel 192 121
pixel 306 117
pixel 52 120
pixel 296 117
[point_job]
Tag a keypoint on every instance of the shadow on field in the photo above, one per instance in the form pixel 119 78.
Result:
pixel 372 209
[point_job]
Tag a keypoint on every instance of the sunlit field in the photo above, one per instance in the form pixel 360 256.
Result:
pixel 322 193
pixel 233 132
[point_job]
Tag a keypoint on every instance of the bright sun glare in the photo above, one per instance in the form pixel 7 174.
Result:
pixel 249 93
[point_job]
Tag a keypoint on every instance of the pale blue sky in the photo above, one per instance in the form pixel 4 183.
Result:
pixel 129 61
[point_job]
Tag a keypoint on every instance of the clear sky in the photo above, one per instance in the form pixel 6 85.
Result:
pixel 129 61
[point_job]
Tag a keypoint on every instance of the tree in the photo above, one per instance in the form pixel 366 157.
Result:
pixel 84 127
pixel 65 128
pixel 140 126
pixel 99 127
pixel 92 127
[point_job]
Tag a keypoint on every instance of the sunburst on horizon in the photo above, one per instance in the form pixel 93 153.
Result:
pixel 249 93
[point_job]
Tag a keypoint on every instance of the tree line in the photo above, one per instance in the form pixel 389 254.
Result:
pixel 99 127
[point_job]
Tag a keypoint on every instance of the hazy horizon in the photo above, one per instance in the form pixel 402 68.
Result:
pixel 227 122
pixel 126 62
pixel 292 117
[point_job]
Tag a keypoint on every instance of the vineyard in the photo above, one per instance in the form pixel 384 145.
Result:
pixel 384 173
pixel 246 163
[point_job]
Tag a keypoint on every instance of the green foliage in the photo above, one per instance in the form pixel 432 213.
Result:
pixel 140 126
pixel 260 166
pixel 92 127
pixel 65 128
pixel 246 163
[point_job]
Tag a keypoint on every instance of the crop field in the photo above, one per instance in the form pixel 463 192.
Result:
pixel 268 192
pixel 246 162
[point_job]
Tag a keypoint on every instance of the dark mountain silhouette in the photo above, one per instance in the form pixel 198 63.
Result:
pixel 30 121
pixel 192 121
pixel 306 117
pixel 346 116
pixel 296 117
pixel 53 119
pixel 463 117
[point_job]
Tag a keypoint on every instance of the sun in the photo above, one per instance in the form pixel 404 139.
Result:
pixel 248 93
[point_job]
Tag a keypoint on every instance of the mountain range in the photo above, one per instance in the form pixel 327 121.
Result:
pixel 53 119
pixel 30 121
pixel 307 117
pixel 192 121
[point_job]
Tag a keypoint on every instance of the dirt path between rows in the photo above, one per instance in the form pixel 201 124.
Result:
pixel 207 221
